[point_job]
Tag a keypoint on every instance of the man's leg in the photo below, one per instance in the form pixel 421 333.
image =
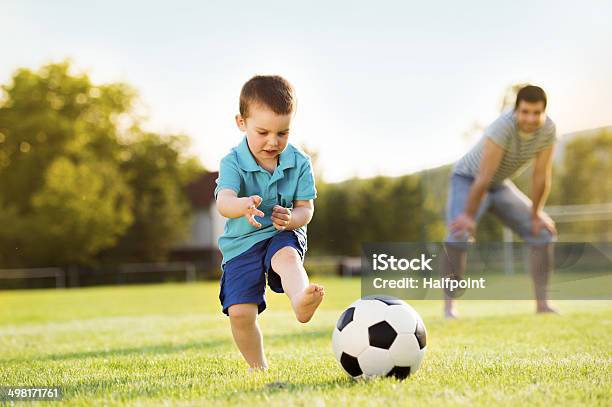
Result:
pixel 305 298
pixel 454 260
pixel 247 334
pixel 514 209
pixel 453 264
pixel 541 264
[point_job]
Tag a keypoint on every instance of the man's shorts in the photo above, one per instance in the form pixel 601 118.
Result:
pixel 244 276
pixel 504 200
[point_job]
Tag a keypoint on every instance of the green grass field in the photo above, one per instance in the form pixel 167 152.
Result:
pixel 169 344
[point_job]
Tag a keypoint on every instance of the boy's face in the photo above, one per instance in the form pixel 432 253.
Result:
pixel 267 132
pixel 530 116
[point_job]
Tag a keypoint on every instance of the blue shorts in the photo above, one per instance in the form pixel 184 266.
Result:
pixel 244 276
pixel 504 200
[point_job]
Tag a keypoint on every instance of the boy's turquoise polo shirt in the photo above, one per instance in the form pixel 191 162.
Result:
pixel 292 180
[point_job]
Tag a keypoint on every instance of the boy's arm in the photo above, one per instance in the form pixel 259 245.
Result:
pixel 290 219
pixel 303 209
pixel 230 206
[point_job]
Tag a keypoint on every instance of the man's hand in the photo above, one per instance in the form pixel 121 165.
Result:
pixel 542 220
pixel 250 211
pixel 463 224
pixel 281 217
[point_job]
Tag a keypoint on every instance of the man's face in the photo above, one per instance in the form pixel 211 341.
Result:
pixel 530 115
pixel 267 132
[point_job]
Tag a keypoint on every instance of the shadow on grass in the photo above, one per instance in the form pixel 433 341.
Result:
pixel 116 389
pixel 299 336
pixel 167 348
pixel 341 381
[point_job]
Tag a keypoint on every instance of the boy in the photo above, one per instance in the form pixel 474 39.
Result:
pixel 480 182
pixel 266 190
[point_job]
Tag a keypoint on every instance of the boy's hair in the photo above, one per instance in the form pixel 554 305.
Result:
pixel 271 91
pixel 531 94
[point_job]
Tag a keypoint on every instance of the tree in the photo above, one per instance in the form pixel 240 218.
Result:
pixel 156 170
pixel 77 172
pixel 587 165
pixel 509 97
pixel 380 209
pixel 585 179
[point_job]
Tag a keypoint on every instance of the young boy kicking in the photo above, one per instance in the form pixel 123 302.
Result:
pixel 266 190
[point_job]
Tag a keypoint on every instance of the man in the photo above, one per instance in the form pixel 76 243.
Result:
pixel 480 182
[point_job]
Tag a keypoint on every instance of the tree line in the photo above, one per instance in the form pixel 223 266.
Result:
pixel 83 183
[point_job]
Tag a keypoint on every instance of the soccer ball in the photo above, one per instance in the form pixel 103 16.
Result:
pixel 379 336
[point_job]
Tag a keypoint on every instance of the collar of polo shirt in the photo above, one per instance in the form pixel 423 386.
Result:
pixel 247 162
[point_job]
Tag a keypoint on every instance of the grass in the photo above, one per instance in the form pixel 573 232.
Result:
pixel 169 344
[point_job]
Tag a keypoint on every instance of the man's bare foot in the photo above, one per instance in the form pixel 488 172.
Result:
pixel 547 310
pixel 450 313
pixel 307 302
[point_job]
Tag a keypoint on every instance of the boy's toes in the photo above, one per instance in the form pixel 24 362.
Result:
pixel 308 302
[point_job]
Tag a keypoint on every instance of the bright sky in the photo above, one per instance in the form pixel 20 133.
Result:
pixel 383 87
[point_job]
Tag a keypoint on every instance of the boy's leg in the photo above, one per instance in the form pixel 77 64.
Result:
pixel 242 296
pixel 247 334
pixel 514 209
pixel 305 298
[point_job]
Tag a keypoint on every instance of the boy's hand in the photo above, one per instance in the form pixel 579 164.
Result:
pixel 281 217
pixel 251 210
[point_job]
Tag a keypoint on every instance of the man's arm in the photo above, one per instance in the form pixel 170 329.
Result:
pixel 491 157
pixel 290 219
pixel 541 181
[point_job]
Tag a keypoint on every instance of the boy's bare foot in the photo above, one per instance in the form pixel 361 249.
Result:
pixel 257 369
pixel 307 302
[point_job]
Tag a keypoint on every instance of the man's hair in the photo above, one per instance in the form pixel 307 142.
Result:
pixel 271 91
pixel 531 94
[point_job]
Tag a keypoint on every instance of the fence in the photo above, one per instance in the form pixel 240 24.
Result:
pixel 562 214
pixel 70 277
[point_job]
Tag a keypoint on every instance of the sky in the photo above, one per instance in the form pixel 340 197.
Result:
pixel 383 87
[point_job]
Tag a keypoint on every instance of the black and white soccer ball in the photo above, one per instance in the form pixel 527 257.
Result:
pixel 380 336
